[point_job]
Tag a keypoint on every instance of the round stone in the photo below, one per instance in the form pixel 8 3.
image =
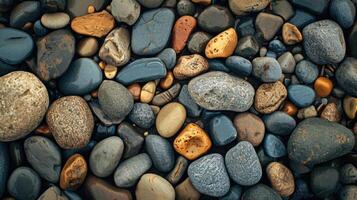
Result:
pixel 24 184
pixel 160 152
pixel 273 146
pixel 170 119
pixel 306 71
pixel 79 8
pixel 142 115
pixel 185 7
pixel 127 11
pixel 55 20
pixel 249 128
pixel 301 95
pixel 215 19
pixel 346 76
pixel 343 11
pixel 239 65
pixel 260 192
pixel 87 47
pixel 281 178
pixel 266 69
pixel 23 104
pixel 269 97
pixel 279 123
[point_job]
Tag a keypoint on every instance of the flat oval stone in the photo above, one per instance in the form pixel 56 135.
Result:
pixel 344 12
pixel 209 176
pixel 53 192
pixel 19 182
pixel 142 115
pixel 152 186
pixel 221 91
pixel 178 171
pixel 279 123
pixel 132 139
pixel 130 171
pixel 23 104
pixel 239 65
pixel 247 169
pixel 316 140
pixel 189 66
pixel 70 121
pixel 249 128
pixel 4 166
pixel 44 156
pixel 55 20
pixel 54 54
pixel 273 146
pixel 306 71
pixel 260 192
pixel 74 172
pixel 82 76
pixel 269 97
pixel 127 11
pixel 15 46
pixel 152 31
pixel 79 8
pixel 215 19
pixel 170 119
pixel 161 152
pixel 301 95
pixel 266 69
pixel 105 156
pixel 346 76
pixel 324 42
pixel 168 56
pixel 26 11
pixel 281 179
pixel 221 130
pixel 142 70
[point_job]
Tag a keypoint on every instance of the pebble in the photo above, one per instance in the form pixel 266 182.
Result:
pixel 192 109
pixel 348 192
pixel 246 26
pixel 346 76
pixel 317 140
pixel 323 86
pixel 209 176
pixel 129 172
pixel 132 139
pixel 142 115
pixel 76 8
pixel 44 156
pixel 39 29
pixel 249 128
pixel 352 39
pixel 348 174
pixel 273 146
pixel 276 46
pixel 186 191
pixel 185 7
pixel 127 11
pixel 70 121
pixel 301 190
pixel 178 171
pixel 21 88
pixel 147 92
pixel 279 123
pixel 192 142
pixel 82 76
pixel 87 47
pixel 95 24
pixel 317 7
pixel 167 96
pixel 84 150
pixel 306 71
pixel 215 19
pixel 235 192
pixel 168 56
pixel 167 82
pixel 105 156
pixel 269 97
pixel 266 69
pixel 15 46
pixel 5 164
pixel 301 95
pixel 298 57
pixel 181 32
pixel 283 8
pixel 152 31
pixel 152 186
pixel 110 71
pixel 243 7
pixel 268 25
pixel 142 70
pixel 20 180
pixel 260 192
pixel 53 192
pixel 55 20
pixel 319 186
pixel 189 66
pixel 150 3
pixel 291 34
pixel 222 45
pixel 247 46
pixel 217 65
pixel 324 42
pixel 307 112
pixel 222 130
pixel 287 62
pixel 281 178
pixel 98 112
pixel 239 65
pixel 61 45
pixel 53 5
pixel 198 42
pixel 331 112
pixel 116 47
pixel 302 18
pixel 350 106
pixel 246 170
pixel 170 119
pixel 74 172
pixel 221 91
pixel 160 152
pixel 24 12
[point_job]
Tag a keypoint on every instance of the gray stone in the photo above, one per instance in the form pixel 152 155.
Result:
pixel 215 19
pixel 142 115
pixel 185 99
pixel 324 181
pixel 247 46
pixel 306 71
pixel 161 152
pixel 78 8
pixel 343 11
pixel 186 7
pixel 53 193
pixel 132 139
pixel 127 11
pixel 260 192
pixel 266 69
pixel 24 184
pixel 151 3
pixel 287 62
pixel 346 76
pixel 26 11
pixel 283 8
pixel 198 42
pixel 348 174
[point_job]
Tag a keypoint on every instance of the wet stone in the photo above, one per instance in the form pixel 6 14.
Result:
pixel 301 95
pixel 319 186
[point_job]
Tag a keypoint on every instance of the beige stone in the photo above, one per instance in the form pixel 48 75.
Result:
pixel 87 47
pixel 189 66
pixel 170 119
pixel 186 191
pixel 269 97
pixel 243 7
pixel 154 187
pixel 281 179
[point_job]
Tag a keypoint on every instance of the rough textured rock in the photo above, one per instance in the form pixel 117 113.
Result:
pixel 190 66
pixel 96 24
pixel 260 192
pixel 269 97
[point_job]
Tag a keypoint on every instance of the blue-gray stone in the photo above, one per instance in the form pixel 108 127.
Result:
pixel 260 192
pixel 234 193
pixel 161 152
pixel 246 170
pixel 26 11
pixel 72 195
pixel 142 70
pixel 245 26
pixel 152 31
pixel 217 65
pixel 301 190
pixel 273 146
pixel 343 11
pixel 209 176
pixel 193 110
pixel 266 69
pixel 301 95
pixel 132 139
pixel 271 54
pixel 82 76
pixel 239 65
pixel 348 192
pixel 324 181
pixel 316 7
pixel 15 46
pixel 346 76
pixel 44 156
pixel 247 46
pixel 39 29
pixel 277 47
pixel 185 7
pixel 279 123
pixel 168 56
pixel 24 184
pixel 4 166
pixel 53 5
pixel 306 71
pixel 264 159
pixel 302 18
pixel 222 130
pixel 101 132
pixel 130 171
pixel 142 115
pixel 150 3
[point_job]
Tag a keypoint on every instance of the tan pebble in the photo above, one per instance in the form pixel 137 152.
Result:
pixel 269 97
pixel 350 106
pixel 2 25
pixel 135 90
pixel 102 65
pixel 154 187
pixel 291 34
pixel 170 119
pixel 87 47
pixel 307 112
pixel 181 32
pixel 190 66
pixel 155 109
pixel 167 82
pixel 222 45
pixel 91 9
pixel 148 92
pixel 281 178
pixel 331 113
pixel 167 96
pixel 192 142
pixel 202 2
pixel 73 173
pixel 110 71
pixel 243 7
pixel 186 191
pixel 249 128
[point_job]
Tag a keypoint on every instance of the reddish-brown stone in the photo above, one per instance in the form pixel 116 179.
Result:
pixel 182 31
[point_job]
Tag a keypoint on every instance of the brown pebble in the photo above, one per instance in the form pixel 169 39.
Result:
pixel 87 47
pixel 154 187
pixel 94 94
pixel 73 173
pixel 289 108
pixel 202 2
pixel 269 97
pixel 222 45
pixel 135 90
pixel 167 82
pixel 350 106
pixel 268 25
pixel 110 71
pixel 28 26
pixel 43 130
pixel 186 191
pixel 190 66
pixel 148 92
pixel 167 96
pixel 182 31
pixel 249 128
pixel 281 179
pixel 331 113
pixel 291 34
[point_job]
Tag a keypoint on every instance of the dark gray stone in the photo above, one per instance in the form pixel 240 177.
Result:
pixel 53 5
pixel 215 19
pixel 193 110
pixel 78 8
pixel 302 18
pixel 283 8
pixel 26 11
pixel 234 193
pixel 6 5
pixel 150 3
pixel 4 167
pixel 24 184
pixel 260 192
pixel 178 171
pixel 324 181
pixel 316 7
pixel 161 152
pixel 132 139
pixel 185 7
pixel 346 76
pixel 142 115
pixel 222 130
pixel 127 11
pixel 247 47
pixel 198 42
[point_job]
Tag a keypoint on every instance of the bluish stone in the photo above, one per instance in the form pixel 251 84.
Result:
pixel 277 46
pixel 217 65
pixel 39 29
pixel 273 146
pixel 266 69
pixel 306 71
pixel 15 46
pixel 343 11
pixel 246 170
pixel 302 18
pixel 245 26
pixel 264 159
pixel 101 132
pixel 26 11
pixel 301 190
pixel 234 193
pixel 209 176
pixel 324 181
pixel 133 141
pixel 83 151
pixel 316 7
pixel 193 110
pixel 222 130
pixel 279 123
pixel 161 152
pixel 82 76
pixel 208 114
pixel 152 31
pixel 142 115
pixel 72 195
pixel 301 95
pixel 142 70
pixel 24 184
pixel 4 166
pixel 239 65
pixel 271 54
pixel 346 76
pixel 168 56
pixel 260 192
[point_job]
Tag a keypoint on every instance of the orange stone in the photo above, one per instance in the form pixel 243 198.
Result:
pixel 90 9
pixel 289 108
pixel 189 66
pixel 291 34
pixel 192 142
pixel 167 82
pixel 73 173
pixel 222 45
pixel 202 2
pixel 102 65
pixel 182 31
pixel 135 90
pixel 96 24
pixel 323 86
